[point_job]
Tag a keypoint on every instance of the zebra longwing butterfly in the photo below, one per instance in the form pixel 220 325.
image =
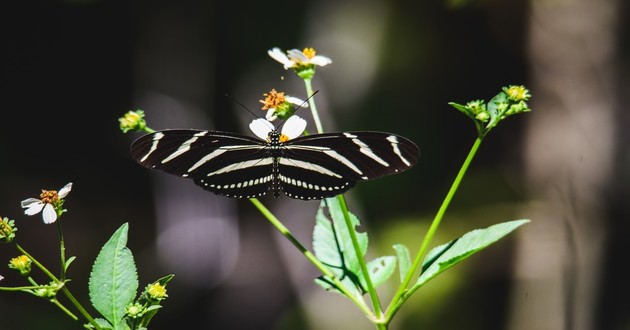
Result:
pixel 303 167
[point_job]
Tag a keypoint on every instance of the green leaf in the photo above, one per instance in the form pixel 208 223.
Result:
pixel 332 245
pixel 452 253
pixel 68 262
pixel 463 109
pixel 404 260
pixel 101 323
pixel 327 284
pixel 435 253
pixel 114 280
pixel 493 109
pixel 380 270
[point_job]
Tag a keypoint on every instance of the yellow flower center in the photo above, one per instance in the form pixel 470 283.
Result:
pixel 283 138
pixel 49 196
pixel 156 291
pixel 309 52
pixel 273 100
pixel 20 262
pixel 517 93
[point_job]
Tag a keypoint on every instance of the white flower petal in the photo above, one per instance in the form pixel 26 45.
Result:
pixel 50 215
pixel 281 57
pixel 298 56
pixel 261 128
pixel 63 192
pixel 271 114
pixel 296 101
pixel 27 202
pixel 293 127
pixel 320 60
pixel 33 206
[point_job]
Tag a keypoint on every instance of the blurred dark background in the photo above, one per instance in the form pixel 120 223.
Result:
pixel 70 69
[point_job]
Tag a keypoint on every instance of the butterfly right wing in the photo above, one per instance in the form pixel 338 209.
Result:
pixel 224 163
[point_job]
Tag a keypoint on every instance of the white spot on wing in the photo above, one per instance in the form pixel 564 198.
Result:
pixel 308 166
pixel 244 164
pixel 365 149
pixel 394 142
pixel 184 147
pixel 156 139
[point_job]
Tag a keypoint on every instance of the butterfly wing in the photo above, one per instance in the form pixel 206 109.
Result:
pixel 325 165
pixel 224 163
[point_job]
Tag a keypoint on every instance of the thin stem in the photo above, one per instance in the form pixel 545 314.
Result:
pixel 64 309
pixel 400 296
pixel 309 255
pixel 64 289
pixel 355 244
pixel 37 263
pixel 62 251
pixel 311 103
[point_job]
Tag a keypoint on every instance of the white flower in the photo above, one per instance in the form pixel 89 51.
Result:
pixel 295 57
pixel 293 127
pixel 49 201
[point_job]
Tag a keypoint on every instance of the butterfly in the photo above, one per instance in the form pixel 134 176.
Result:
pixel 278 161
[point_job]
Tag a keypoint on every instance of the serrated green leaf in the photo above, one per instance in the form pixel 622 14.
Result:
pixel 380 270
pixel 331 239
pixel 325 245
pixel 114 281
pixel 101 323
pixel 333 246
pixel 462 248
pixel 343 235
pixel 404 260
pixel 435 253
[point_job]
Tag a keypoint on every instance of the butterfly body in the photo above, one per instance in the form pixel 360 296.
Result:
pixel 305 167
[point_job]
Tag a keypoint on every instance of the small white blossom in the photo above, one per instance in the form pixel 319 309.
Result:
pixel 295 57
pixel 47 204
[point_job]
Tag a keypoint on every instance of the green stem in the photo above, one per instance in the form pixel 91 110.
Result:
pixel 64 309
pixel 64 289
pixel 37 263
pixel 62 251
pixel 310 256
pixel 401 294
pixel 311 103
pixel 355 244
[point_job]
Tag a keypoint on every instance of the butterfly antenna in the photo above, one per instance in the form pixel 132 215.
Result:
pixel 242 105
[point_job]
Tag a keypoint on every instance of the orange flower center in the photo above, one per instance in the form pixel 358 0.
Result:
pixel 49 196
pixel 273 100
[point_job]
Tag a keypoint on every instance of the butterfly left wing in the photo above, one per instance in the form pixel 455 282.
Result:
pixel 224 163
pixel 325 165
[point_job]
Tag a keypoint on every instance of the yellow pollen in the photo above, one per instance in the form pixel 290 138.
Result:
pixel 273 99
pixel 283 138
pixel 309 52
pixel 49 196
